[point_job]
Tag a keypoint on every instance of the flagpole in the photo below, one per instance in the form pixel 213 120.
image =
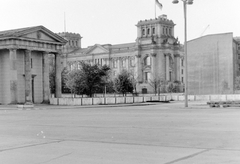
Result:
pixel 155 8
pixel 64 22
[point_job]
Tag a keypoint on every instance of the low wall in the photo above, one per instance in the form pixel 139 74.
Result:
pixel 106 100
pixel 140 99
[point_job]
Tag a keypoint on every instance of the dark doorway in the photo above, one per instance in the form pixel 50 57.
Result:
pixel 144 90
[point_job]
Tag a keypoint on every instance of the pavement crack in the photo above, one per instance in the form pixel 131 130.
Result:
pixel 26 146
pixel 187 157
pixel 55 158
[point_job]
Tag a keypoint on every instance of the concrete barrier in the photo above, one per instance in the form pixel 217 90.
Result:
pixel 87 101
pixel 202 98
pixel 139 99
pixel 120 100
pixel 129 100
pixel 111 100
pixel 98 100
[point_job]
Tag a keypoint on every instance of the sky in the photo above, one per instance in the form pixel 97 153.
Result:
pixel 113 21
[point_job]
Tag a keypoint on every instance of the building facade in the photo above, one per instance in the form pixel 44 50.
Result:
pixel 213 64
pixel 156 54
pixel 24 67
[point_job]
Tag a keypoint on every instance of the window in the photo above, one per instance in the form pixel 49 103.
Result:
pixel 31 63
pixel 114 63
pixel 182 62
pixel 170 31
pixel 123 63
pixel 148 31
pixel 153 30
pixel 147 76
pixel 238 67
pixel 182 71
pixel 147 61
pixel 143 32
pixel 182 80
pixel 132 62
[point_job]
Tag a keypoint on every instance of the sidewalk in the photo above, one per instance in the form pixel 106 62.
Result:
pixel 48 106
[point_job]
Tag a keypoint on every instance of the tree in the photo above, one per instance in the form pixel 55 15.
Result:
pixel 156 82
pixel 52 76
pixel 134 81
pixel 174 87
pixel 123 83
pixel 64 74
pixel 88 80
pixel 71 81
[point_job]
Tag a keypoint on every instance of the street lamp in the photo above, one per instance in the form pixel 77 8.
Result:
pixel 185 2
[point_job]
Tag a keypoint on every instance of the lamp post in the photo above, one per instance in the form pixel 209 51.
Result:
pixel 185 2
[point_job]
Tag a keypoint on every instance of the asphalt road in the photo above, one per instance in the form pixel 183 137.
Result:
pixel 149 134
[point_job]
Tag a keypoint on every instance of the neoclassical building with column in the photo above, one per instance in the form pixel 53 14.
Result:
pixel 24 65
pixel 156 54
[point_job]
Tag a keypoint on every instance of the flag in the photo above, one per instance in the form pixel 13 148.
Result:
pixel 158 4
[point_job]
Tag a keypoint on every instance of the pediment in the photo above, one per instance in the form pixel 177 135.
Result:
pixel 97 49
pixel 37 33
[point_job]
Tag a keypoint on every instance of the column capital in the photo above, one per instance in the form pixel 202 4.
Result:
pixel 46 52
pixel 153 54
pixel 176 55
pixel 28 50
pixel 12 49
pixel 138 55
pixel 167 54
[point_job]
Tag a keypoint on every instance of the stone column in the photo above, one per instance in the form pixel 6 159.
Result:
pixel 120 64
pixel 153 58
pixel 13 75
pixel 167 67
pixel 139 68
pixel 45 72
pixel 28 77
pixel 58 78
pixel 177 67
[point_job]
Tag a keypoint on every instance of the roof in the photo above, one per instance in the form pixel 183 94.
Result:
pixel 205 36
pixel 16 33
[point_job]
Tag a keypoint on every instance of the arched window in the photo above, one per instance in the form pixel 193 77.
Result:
pixel 153 30
pixel 143 32
pixel 147 61
pixel 148 31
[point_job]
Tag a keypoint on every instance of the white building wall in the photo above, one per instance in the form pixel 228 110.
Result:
pixel 4 77
pixel 37 70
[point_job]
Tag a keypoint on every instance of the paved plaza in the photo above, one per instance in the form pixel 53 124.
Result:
pixel 166 133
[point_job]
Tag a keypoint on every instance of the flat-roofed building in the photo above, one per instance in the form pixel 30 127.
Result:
pixel 213 64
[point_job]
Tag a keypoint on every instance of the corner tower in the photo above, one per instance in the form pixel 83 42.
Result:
pixel 155 30
pixel 74 41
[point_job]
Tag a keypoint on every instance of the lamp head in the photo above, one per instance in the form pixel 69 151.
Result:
pixel 190 2
pixel 175 1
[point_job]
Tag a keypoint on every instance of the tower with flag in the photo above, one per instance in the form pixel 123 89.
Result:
pixel 158 4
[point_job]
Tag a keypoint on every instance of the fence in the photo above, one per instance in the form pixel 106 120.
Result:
pixel 139 99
